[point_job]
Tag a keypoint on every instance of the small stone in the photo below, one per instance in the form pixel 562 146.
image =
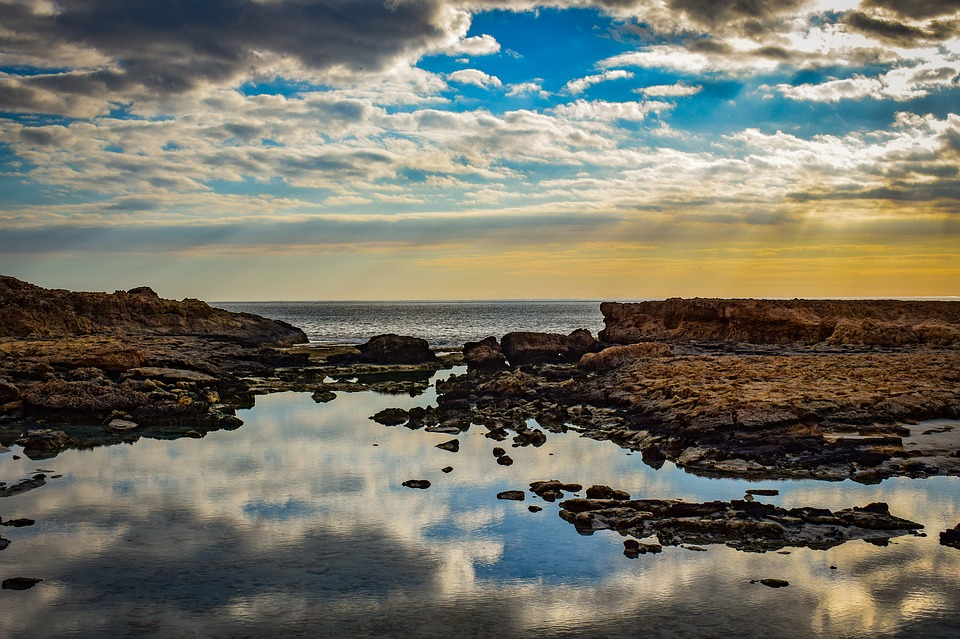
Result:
pixel 505 460
pixel 771 583
pixel 499 452
pixel 447 469
pixel 391 417
pixel 20 583
pixel 193 434
pixel 605 492
pixel 534 509
pixel 453 445
pixel 512 495
pixel 122 425
pixel 417 483
pixel 323 396
pixel 19 523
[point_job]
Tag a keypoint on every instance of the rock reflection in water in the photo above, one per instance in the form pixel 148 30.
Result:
pixel 297 523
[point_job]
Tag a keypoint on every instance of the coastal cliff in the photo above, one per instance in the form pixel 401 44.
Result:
pixel 27 310
pixel 888 323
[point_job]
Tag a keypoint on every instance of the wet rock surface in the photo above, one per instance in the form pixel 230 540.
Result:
pixel 417 483
pixel 744 525
pixel 951 537
pixel 396 349
pixel 20 583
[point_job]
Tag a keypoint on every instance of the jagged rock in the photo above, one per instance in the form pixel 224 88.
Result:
pixel 616 356
pixel 8 392
pixel 44 440
pixel 951 537
pixel 85 396
pixel 601 491
pixel 862 322
pixel 396 349
pixel 749 526
pixel 446 469
pixel 28 310
pixel 391 417
pixel 453 445
pixel 552 489
pixel 323 396
pixel 23 486
pixel 417 483
pixel 512 495
pixel 526 347
pixel 533 437
pixel 633 548
pixel 18 523
pixel 484 355
pixel 505 460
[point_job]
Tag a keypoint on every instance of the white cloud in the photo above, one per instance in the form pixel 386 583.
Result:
pixel 578 86
pixel 900 84
pixel 523 88
pixel 476 45
pixel 474 77
pixel 610 111
pixel 679 90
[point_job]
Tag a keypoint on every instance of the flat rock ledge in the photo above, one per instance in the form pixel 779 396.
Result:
pixel 744 525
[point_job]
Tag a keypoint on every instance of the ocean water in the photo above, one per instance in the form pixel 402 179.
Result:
pixel 297 524
pixel 443 324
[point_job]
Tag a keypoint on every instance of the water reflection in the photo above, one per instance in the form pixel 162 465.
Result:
pixel 297 523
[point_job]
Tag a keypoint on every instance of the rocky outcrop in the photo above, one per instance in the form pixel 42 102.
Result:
pixel 396 349
pixel 887 323
pixel 484 355
pixel 951 537
pixel 525 347
pixel 744 525
pixel 27 310
pixel 616 356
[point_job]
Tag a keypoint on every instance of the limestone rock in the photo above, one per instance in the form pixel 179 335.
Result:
pixel 44 440
pixel 396 349
pixel 484 355
pixel 616 356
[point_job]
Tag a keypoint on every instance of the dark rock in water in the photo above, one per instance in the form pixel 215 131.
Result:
pixel 23 486
pixel 533 437
pixel 763 492
pixel 19 523
pixel 396 349
pixel 323 396
pixel 4 543
pixel 499 452
pixel 552 490
pixel 505 460
pixel 417 483
pixel 484 355
pixel 194 434
pixel 951 537
pixel 391 417
pixel 749 526
pixel 772 583
pixel 526 347
pixel 605 492
pixel 534 509
pixel 44 440
pixel 20 583
pixel 512 495
pixel 446 469
pixel 633 548
pixel 453 445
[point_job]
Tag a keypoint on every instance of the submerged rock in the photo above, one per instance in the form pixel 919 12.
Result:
pixel 771 583
pixel 391 417
pixel 417 483
pixel 453 445
pixel 511 495
pixel 43 440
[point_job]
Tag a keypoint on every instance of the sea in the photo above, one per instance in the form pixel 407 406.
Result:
pixel 444 324
pixel 297 524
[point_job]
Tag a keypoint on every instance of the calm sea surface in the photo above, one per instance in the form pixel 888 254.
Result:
pixel 443 324
pixel 296 524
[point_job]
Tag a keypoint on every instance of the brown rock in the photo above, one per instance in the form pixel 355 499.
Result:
pixel 44 440
pixel 396 349
pixel 616 356
pixel 485 354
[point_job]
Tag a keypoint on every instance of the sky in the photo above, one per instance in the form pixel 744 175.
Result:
pixel 482 149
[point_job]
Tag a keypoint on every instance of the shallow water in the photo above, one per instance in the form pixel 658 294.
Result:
pixel 296 524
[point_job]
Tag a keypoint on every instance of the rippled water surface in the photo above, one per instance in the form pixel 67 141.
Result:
pixel 296 524
pixel 440 323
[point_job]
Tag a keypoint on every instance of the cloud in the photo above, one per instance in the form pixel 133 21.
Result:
pixel 476 45
pixel 524 88
pixel 900 32
pixel 915 8
pixel 578 86
pixel 679 90
pixel 474 77
pixel 610 111
pixel 900 84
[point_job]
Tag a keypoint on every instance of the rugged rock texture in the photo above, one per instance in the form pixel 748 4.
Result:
pixel 396 349
pixel 827 416
pixel 744 525
pixel 484 355
pixel 832 322
pixel 526 347
pixel 951 537
pixel 616 356
pixel 31 311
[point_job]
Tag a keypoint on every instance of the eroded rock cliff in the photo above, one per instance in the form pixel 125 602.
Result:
pixel 889 323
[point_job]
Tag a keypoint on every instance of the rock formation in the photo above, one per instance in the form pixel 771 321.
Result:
pixel 27 310
pixel 396 349
pixel 525 347
pixel 887 323
pixel 744 525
